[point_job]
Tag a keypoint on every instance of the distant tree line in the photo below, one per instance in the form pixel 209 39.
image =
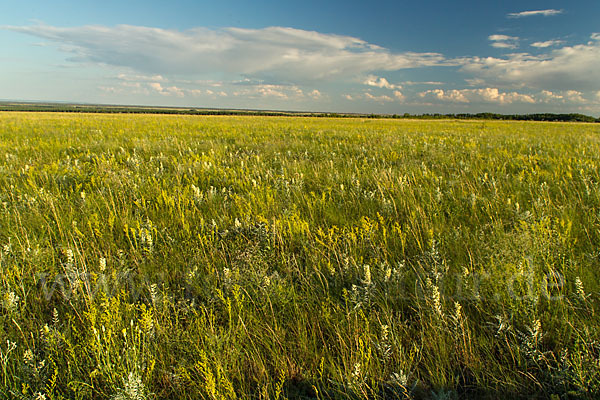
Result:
pixel 509 117
pixel 52 107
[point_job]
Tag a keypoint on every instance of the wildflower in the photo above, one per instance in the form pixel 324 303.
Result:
pixel 28 358
pixel 356 373
pixel 367 281
pixel 579 288
pixel 399 378
pixel 387 273
pixel 192 275
pixel 457 312
pixel 227 275
pixel 154 293
pixel 436 299
pixel 134 388
pixel 197 192
pixel 535 330
pixel 55 319
pixel 146 239
pixel 10 346
pixel 384 345
pixel 266 281
pixel 10 302
pixel 147 323
pixel 102 264
pixel 70 257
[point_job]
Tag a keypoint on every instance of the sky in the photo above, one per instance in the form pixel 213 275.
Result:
pixel 390 57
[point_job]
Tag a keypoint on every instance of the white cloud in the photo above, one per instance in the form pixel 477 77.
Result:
pixel 315 94
pixel 547 96
pixel 566 68
pixel 502 37
pixel 494 95
pixel 273 53
pixel 545 13
pixel 281 92
pixel 375 81
pixel 547 43
pixel 167 91
pixel 271 91
pixel 504 45
pixel 486 95
pixel 348 97
pixel 504 41
pixel 448 95
pixel 574 96
pixel 380 99
pixel 398 94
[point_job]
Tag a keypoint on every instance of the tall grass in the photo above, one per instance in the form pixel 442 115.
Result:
pixel 151 257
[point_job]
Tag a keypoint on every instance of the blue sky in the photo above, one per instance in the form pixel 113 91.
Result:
pixel 350 56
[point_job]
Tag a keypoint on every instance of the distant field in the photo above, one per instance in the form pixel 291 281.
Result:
pixel 156 256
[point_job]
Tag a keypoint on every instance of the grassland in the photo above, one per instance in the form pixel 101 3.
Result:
pixel 243 257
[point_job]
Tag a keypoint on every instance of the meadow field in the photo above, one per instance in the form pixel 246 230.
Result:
pixel 193 257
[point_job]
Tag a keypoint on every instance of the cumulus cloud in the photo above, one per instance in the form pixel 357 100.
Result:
pixel 273 53
pixel 504 41
pixel 574 96
pixel 563 97
pixel 504 45
pixel 315 94
pixel 445 95
pixel 547 43
pixel 167 91
pixel 398 95
pixel 280 92
pixel 380 99
pixel 375 81
pixel 545 13
pixel 502 37
pixel 566 68
pixel 487 95
pixel 548 96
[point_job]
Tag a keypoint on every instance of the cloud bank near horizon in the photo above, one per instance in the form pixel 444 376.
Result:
pixel 291 64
